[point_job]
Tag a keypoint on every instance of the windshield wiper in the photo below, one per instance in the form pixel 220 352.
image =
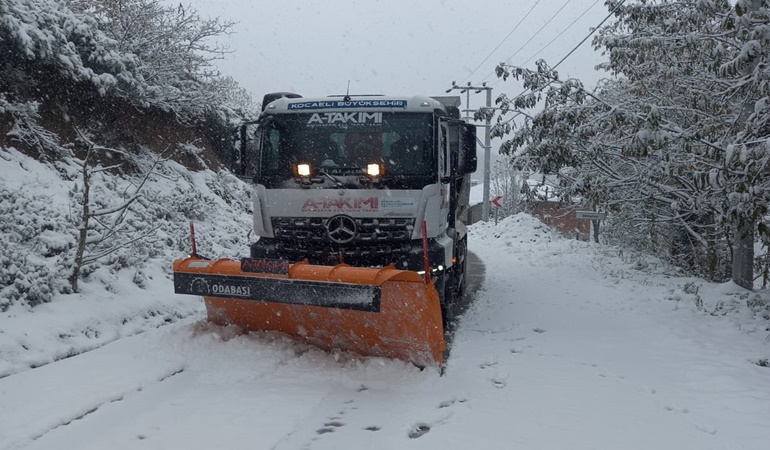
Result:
pixel 331 177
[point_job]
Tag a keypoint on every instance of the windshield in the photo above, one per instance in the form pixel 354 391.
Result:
pixel 344 143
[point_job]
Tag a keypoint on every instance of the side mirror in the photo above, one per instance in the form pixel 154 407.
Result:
pixel 244 152
pixel 238 151
pixel 468 161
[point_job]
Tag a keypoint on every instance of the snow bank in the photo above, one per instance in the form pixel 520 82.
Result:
pixel 127 291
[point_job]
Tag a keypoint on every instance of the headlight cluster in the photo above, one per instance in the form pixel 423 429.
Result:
pixel 373 170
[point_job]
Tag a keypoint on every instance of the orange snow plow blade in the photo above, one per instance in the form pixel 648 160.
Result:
pixel 377 312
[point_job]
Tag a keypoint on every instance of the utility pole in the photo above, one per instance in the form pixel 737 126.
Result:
pixel 487 140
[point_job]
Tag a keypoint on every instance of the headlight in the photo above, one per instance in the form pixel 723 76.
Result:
pixel 374 170
pixel 303 170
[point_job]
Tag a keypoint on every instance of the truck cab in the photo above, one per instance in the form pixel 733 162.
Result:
pixel 367 181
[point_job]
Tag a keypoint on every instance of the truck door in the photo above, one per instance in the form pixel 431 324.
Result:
pixel 449 162
pixel 245 151
pixel 447 141
pixel 449 144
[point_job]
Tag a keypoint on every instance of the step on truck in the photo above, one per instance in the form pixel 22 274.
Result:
pixel 360 205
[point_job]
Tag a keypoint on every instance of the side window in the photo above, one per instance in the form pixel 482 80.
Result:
pixel 254 137
pixel 454 145
pixel 271 148
pixel 443 160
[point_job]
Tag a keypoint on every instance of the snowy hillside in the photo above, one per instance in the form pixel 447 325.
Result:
pixel 126 291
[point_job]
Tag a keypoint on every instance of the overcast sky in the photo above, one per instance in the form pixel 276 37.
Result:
pixel 398 46
pixel 401 47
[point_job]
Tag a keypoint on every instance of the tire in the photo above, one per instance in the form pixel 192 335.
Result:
pixel 446 287
pixel 459 270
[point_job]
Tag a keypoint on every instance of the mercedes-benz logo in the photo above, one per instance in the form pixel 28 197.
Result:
pixel 341 229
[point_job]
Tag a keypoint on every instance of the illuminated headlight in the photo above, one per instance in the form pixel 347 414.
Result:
pixel 374 170
pixel 303 170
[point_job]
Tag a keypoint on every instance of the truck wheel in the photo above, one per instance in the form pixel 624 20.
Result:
pixel 446 288
pixel 460 273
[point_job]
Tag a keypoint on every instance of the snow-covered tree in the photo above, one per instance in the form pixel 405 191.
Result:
pixel 44 41
pixel 174 46
pixel 675 141
pixel 102 227
pixel 143 51
pixel 506 182
pixel 134 77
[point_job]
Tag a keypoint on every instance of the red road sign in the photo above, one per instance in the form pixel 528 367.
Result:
pixel 495 201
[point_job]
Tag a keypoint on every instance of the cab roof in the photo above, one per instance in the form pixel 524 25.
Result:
pixel 379 103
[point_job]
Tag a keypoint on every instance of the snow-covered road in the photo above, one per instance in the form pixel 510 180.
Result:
pixel 566 346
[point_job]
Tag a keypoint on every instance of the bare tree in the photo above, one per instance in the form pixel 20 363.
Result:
pixel 103 231
pixel 506 182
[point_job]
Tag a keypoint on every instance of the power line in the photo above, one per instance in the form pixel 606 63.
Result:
pixel 501 42
pixel 533 36
pixel 591 33
pixel 560 34
pixel 596 28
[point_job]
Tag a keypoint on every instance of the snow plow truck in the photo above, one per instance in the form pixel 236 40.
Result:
pixel 360 204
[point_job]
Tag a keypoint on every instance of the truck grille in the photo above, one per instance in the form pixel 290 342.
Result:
pixel 368 230
pixel 377 241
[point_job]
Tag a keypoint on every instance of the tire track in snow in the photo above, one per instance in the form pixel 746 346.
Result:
pixel 117 398
pixel 39 401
